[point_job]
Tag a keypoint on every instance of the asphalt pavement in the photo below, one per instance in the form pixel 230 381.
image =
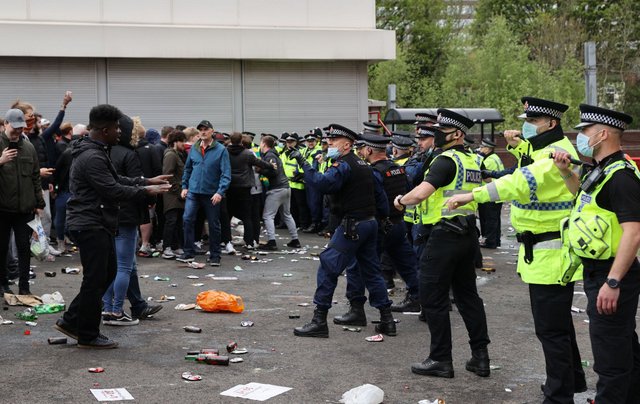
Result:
pixel 150 359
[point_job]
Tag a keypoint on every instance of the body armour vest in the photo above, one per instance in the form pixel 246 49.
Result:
pixel 394 181
pixel 356 197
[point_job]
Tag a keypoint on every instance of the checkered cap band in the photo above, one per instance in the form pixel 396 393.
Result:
pixel 445 120
pixel 543 110
pixel 426 132
pixel 374 145
pixel 340 132
pixel 423 118
pixel 594 117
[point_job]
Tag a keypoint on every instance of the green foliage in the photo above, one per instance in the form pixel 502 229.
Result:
pixel 498 73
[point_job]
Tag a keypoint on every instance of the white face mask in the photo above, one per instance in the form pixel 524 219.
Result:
pixel 333 152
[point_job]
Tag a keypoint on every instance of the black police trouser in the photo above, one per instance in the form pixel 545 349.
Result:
pixel 448 262
pixel 299 207
pixel 551 308
pixel 22 233
pixel 99 267
pixel 614 342
pixel 490 222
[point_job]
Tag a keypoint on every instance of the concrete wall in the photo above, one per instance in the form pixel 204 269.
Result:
pixel 223 29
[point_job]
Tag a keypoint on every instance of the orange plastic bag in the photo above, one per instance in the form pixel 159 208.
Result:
pixel 217 301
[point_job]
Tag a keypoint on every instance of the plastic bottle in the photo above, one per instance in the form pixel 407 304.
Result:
pixel 27 315
pixel 49 308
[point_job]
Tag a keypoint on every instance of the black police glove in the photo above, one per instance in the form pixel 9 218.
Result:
pixel 297 156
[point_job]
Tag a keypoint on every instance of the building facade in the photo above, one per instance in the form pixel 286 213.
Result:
pixel 254 65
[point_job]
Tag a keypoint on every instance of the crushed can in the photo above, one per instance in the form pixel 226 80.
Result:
pixel 190 328
pixel 50 274
pixel 57 340
pixel 215 360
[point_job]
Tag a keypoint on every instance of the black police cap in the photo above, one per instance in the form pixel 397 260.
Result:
pixel 536 107
pixel 590 115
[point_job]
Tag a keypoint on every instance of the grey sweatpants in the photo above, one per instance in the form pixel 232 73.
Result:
pixel 275 199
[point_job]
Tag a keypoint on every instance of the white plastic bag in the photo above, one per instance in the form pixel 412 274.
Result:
pixel 39 243
pixel 53 298
pixel 365 394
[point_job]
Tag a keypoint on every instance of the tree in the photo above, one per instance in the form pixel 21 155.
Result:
pixel 498 72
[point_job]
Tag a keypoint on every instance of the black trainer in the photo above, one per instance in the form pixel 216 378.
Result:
pixel 65 328
pixel 295 243
pixel 147 312
pixel 270 246
pixel 100 342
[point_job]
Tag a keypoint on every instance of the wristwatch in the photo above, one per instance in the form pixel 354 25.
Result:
pixel 613 283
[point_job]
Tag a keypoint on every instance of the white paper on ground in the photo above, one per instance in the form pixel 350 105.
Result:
pixel 111 394
pixel 255 391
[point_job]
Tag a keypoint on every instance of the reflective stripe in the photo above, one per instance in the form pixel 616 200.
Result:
pixel 535 204
pixel 544 206
pixel 493 192
pixel 449 213
pixel 460 176
pixel 548 245
pixel 452 192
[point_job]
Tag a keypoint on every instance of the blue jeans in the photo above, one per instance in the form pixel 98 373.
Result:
pixel 61 214
pixel 342 253
pixel 212 213
pixel 126 243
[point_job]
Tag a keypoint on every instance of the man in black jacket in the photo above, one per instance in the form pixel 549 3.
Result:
pixel 92 219
pixel 238 195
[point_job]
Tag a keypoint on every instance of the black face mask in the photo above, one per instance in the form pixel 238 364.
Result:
pixel 440 139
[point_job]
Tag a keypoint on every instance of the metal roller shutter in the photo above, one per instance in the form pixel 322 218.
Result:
pixel 170 92
pixel 298 96
pixel 43 81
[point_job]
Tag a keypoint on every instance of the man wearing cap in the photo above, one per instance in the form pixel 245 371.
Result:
pixel 489 212
pixel 295 173
pixel 449 262
pixel 206 178
pixel 356 198
pixel 20 198
pixel 539 201
pixel 314 198
pixel 604 231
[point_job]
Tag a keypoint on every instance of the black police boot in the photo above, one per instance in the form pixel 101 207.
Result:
pixel 433 368
pixel 479 363
pixel 316 328
pixel 355 315
pixel 387 325
pixel 409 304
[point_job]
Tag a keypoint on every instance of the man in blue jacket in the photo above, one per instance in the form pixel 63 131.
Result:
pixel 206 178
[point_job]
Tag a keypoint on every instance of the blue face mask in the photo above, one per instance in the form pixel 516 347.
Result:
pixel 529 130
pixel 582 144
pixel 333 153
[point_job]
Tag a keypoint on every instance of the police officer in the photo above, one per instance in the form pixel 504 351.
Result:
pixel 255 148
pixel 392 239
pixel 489 212
pixel 356 198
pixel 372 127
pixel 604 231
pixel 294 171
pixel 314 198
pixel 401 148
pixel 451 247
pixel 539 201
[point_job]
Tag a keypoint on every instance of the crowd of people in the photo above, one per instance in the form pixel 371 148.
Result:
pixel 391 202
